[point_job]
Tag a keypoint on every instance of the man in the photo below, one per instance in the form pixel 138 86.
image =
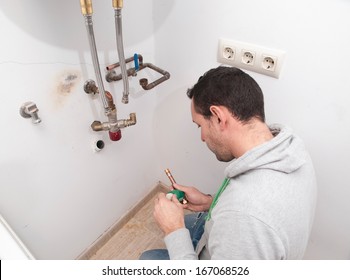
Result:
pixel 265 206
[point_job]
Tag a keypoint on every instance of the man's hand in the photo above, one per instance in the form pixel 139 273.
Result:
pixel 169 214
pixel 196 200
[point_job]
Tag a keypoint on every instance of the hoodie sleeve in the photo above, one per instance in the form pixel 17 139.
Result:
pixel 179 245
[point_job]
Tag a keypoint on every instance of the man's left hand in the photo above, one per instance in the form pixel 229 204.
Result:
pixel 169 214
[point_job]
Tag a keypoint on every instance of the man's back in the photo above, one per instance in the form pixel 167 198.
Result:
pixel 267 210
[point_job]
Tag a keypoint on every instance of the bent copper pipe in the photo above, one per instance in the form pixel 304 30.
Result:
pixel 144 82
pixel 112 76
pixel 116 65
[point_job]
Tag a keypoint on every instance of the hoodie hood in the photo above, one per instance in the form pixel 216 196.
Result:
pixel 282 153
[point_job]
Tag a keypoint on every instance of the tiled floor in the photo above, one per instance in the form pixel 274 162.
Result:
pixel 140 233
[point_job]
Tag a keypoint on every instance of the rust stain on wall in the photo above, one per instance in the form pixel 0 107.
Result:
pixel 65 85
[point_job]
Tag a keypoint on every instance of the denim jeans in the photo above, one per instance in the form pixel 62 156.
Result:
pixel 194 223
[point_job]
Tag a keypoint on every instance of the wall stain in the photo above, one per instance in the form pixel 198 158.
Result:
pixel 65 85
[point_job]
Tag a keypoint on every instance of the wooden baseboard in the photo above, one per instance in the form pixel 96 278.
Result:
pixel 103 239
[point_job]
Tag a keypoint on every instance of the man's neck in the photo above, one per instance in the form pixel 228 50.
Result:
pixel 253 134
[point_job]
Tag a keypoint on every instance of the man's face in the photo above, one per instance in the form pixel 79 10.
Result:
pixel 211 135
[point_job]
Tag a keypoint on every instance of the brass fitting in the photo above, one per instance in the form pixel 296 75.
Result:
pixel 86 7
pixel 114 125
pixel 117 4
pixel 97 126
pixel 127 122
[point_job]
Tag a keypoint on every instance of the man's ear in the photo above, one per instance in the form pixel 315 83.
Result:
pixel 219 114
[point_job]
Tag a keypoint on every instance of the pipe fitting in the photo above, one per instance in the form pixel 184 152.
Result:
pixel 90 87
pixel 117 4
pixel 125 99
pixel 30 110
pixel 127 122
pixel 144 82
pixel 112 76
pixel 114 126
pixel 86 7
pixel 97 126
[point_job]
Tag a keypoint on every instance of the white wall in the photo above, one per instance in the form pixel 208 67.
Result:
pixel 55 191
pixel 59 195
pixel 311 96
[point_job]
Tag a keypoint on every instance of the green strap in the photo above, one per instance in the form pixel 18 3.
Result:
pixel 216 198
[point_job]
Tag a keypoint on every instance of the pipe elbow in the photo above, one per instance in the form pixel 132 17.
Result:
pixel 132 119
pixel 167 75
pixel 111 76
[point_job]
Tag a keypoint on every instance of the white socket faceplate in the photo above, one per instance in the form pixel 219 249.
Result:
pixel 251 57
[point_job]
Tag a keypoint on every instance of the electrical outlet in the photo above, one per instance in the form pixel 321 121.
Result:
pixel 248 57
pixel 228 53
pixel 251 57
pixel 268 62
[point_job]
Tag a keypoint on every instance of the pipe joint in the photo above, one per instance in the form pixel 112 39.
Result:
pixel 114 126
pixel 127 122
pixel 144 82
pixel 86 7
pixel 117 4
pixel 90 87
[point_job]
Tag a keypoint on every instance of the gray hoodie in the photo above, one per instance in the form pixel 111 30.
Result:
pixel 266 211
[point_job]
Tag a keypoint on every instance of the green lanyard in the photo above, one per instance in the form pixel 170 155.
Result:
pixel 216 198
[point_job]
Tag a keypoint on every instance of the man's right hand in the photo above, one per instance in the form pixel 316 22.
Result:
pixel 196 200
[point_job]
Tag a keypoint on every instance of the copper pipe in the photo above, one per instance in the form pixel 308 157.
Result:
pixel 110 102
pixel 130 59
pixel 112 76
pixel 171 178
pixel 144 82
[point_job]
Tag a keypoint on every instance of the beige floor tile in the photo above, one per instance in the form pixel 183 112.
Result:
pixel 140 233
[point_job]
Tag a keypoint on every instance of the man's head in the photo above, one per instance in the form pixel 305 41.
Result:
pixel 226 103
pixel 229 87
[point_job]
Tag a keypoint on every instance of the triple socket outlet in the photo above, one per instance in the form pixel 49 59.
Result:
pixel 251 57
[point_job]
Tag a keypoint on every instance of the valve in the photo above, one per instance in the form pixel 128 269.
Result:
pixel 30 110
